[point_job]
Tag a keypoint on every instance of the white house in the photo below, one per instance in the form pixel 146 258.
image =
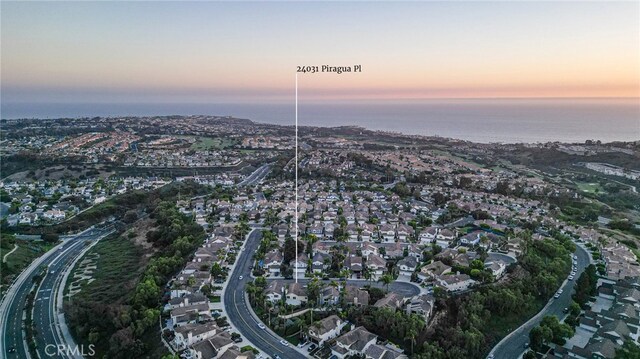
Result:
pixel 408 265
pixel 192 333
pixel 455 282
pixel 326 329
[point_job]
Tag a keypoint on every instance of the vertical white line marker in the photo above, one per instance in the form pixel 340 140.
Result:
pixel 296 185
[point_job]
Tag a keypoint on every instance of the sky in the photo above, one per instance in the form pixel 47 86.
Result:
pixel 197 52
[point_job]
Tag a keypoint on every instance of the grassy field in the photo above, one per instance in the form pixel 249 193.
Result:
pixel 20 259
pixel 210 143
pixel 589 187
pixel 118 267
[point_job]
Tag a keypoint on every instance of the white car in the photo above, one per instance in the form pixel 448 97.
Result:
pixel 240 277
pixel 557 295
pixel 570 277
pixel 284 342
pixel 261 326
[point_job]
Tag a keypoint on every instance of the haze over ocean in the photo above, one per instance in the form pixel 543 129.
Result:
pixel 478 120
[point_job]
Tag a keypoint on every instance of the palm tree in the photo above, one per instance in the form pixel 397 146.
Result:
pixel 386 279
pixel 251 290
pixel 367 274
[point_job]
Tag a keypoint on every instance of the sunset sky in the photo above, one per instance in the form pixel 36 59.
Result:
pixel 246 52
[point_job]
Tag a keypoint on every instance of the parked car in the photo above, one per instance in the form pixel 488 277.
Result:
pixel 311 347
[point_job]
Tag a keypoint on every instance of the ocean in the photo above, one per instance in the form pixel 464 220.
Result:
pixel 477 120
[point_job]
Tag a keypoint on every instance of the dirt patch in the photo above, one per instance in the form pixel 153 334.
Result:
pixel 62 171
pixel 140 228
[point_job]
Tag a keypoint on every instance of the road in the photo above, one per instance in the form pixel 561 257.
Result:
pixel 256 176
pixel 512 346
pixel 239 315
pixel 44 310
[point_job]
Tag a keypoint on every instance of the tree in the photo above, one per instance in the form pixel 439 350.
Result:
pixel 386 279
pixel 538 336
pixel 629 350
pixel 217 271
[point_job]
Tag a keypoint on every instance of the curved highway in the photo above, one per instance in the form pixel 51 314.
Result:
pixel 512 346
pixel 48 334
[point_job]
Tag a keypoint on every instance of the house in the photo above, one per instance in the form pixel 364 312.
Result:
pixel 353 343
pixel 444 238
pixel 390 300
pixel 433 270
pixel 274 291
pixel 404 232
pixel 189 314
pixel 352 232
pixel 329 296
pixel 300 265
pixel 320 262
pixel 326 329
pixel 355 265
pixel 387 233
pixel 377 351
pixel 187 300
pixel 317 230
pixel 368 232
pixel 455 282
pixel 471 239
pixel 190 334
pixel 54 215
pixel 355 296
pixel 407 265
pixel 219 347
pixel 368 249
pixel 235 353
pixel 376 265
pixel 221 342
pixel 296 294
pixel 428 235
pixel 273 262
pixel 497 268
pixel 421 305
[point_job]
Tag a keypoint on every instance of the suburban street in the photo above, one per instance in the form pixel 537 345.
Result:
pixel 44 309
pixel 512 346
pixel 239 314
